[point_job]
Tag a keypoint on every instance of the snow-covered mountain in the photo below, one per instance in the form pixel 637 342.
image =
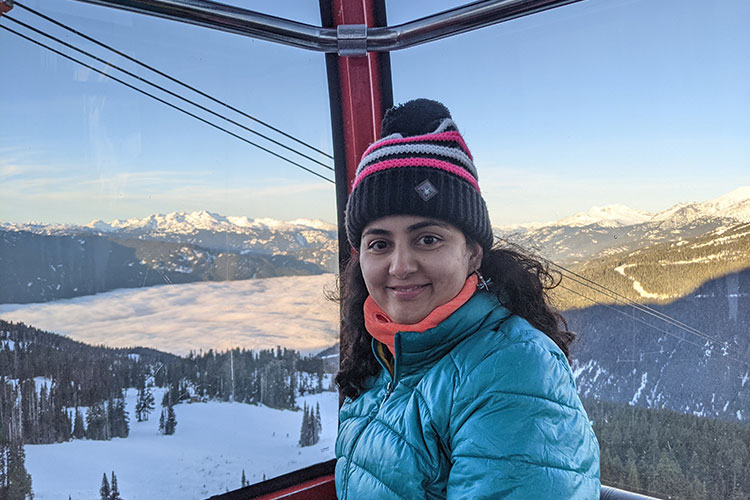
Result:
pixel 41 262
pixel 610 215
pixel 205 246
pixel 733 205
pixel 189 223
pixel 309 240
pixel 609 230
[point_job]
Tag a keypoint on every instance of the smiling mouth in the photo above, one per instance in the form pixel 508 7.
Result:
pixel 407 292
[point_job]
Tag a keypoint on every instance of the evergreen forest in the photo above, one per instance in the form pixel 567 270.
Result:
pixel 666 454
pixel 80 395
pixel 54 389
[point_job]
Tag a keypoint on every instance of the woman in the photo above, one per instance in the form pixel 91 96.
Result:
pixel 453 365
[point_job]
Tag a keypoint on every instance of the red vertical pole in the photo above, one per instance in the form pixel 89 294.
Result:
pixel 360 91
pixel 361 85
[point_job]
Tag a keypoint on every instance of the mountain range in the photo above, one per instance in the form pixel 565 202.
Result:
pixel 40 262
pixel 630 250
pixel 688 349
pixel 605 231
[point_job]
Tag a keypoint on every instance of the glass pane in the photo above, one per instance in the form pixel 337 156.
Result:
pixel 164 257
pixel 613 138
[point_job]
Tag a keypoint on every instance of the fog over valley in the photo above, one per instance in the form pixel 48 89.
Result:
pixel 254 314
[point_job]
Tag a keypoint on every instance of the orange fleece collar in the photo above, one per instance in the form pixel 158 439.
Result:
pixel 380 326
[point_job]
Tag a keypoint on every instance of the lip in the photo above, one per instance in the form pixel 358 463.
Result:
pixel 407 292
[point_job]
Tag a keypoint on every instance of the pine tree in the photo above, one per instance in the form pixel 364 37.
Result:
pixel 161 421
pixel 19 481
pixel 145 404
pixel 79 432
pixel 97 422
pixel 318 421
pixel 167 421
pixel 104 491
pixel 171 423
pixel 118 418
pixel 304 432
pixel 309 432
pixel 244 479
pixel 115 493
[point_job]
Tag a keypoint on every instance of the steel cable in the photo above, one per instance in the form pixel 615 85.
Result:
pixel 173 79
pixel 168 104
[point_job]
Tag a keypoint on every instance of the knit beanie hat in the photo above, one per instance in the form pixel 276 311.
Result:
pixel 421 166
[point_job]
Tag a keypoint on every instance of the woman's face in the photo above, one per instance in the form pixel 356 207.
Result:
pixel 412 264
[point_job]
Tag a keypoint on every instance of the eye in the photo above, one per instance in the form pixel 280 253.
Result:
pixel 377 245
pixel 428 240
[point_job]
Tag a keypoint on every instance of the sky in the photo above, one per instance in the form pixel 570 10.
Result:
pixel 644 103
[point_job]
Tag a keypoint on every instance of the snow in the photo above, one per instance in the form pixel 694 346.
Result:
pixel 646 294
pixel 637 285
pixel 723 239
pixel 637 395
pixel 314 223
pixel 38 383
pixel 213 443
pixel 610 215
pixel 733 205
pixel 254 314
pixel 190 222
pixel 733 198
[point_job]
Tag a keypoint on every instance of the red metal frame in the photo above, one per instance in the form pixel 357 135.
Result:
pixel 322 488
pixel 4 7
pixel 360 84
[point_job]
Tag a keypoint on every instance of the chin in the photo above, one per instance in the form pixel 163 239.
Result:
pixel 408 318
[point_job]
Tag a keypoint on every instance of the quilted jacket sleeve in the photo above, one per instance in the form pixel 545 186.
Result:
pixel 518 430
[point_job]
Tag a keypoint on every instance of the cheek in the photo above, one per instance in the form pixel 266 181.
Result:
pixel 369 273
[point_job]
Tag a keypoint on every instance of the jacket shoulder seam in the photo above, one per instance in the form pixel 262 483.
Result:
pixel 522 394
pixel 541 349
pixel 525 462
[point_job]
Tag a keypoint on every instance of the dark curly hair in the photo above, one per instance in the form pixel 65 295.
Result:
pixel 519 280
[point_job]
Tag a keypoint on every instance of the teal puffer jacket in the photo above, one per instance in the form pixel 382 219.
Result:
pixel 481 406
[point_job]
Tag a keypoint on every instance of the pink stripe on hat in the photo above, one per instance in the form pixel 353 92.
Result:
pixel 417 162
pixel 443 136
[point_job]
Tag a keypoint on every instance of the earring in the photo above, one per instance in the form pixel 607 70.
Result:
pixel 482 284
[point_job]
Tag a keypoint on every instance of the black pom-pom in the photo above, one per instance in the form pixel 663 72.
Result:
pixel 420 116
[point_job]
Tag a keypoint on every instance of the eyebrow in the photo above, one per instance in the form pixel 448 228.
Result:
pixel 410 229
pixel 427 223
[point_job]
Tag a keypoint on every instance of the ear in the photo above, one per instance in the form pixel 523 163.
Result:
pixel 475 255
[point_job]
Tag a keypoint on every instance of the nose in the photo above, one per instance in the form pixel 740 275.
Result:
pixel 403 262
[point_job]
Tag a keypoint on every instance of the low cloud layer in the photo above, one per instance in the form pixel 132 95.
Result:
pixel 255 314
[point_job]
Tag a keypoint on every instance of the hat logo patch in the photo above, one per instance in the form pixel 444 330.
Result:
pixel 426 190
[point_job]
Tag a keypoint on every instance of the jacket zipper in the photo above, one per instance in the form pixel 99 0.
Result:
pixel 389 390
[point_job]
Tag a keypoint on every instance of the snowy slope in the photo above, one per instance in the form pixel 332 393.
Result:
pixel 214 442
